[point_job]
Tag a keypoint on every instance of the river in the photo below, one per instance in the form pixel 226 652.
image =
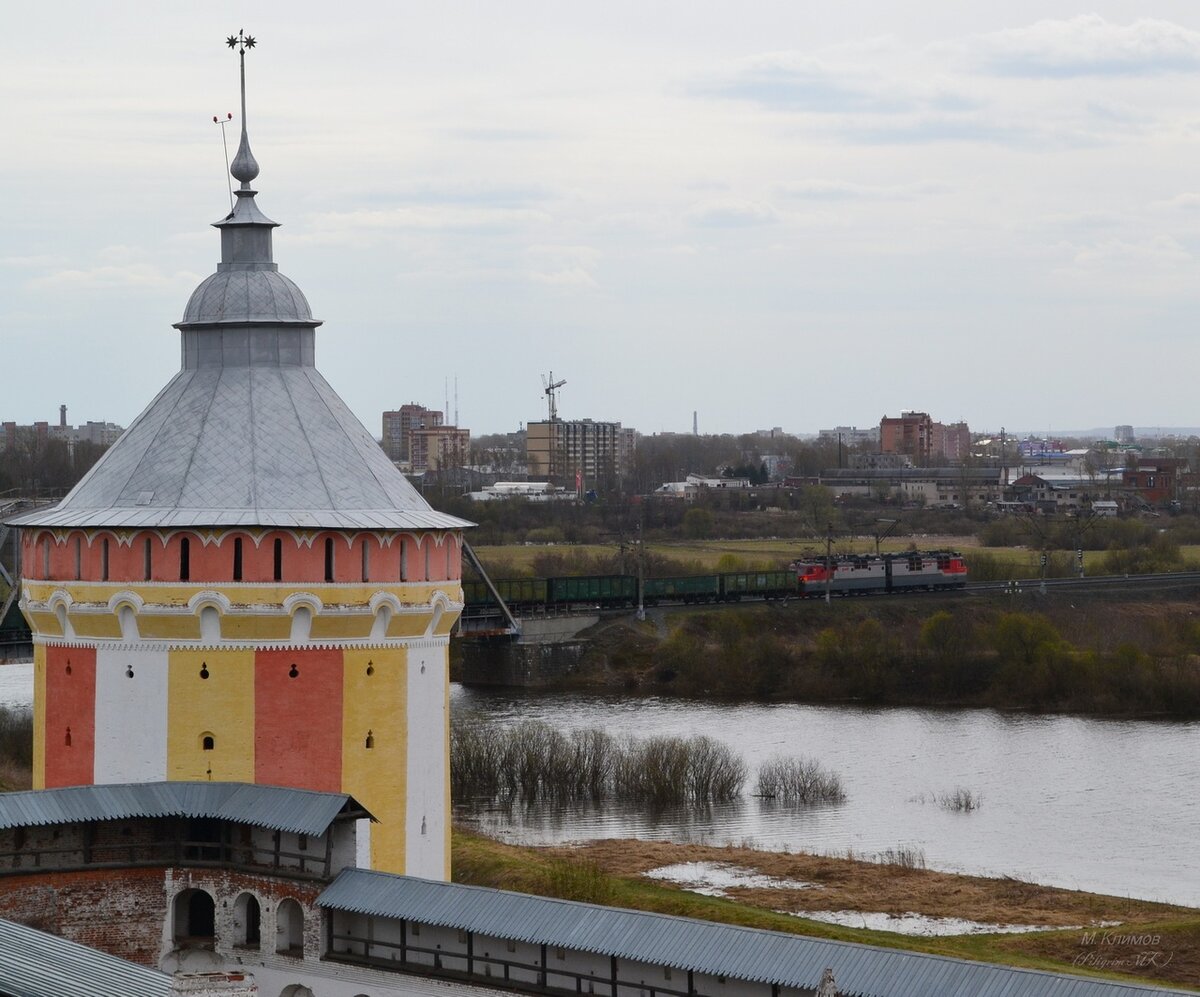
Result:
pixel 1108 806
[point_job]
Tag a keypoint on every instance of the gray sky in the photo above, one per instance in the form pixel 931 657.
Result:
pixel 777 214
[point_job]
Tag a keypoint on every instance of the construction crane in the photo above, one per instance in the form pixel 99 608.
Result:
pixel 549 387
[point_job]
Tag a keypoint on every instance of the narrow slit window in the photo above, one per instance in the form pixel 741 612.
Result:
pixel 147 563
pixel 448 559
pixel 427 539
pixel 366 561
pixel 45 557
pixel 403 560
pixel 278 560
pixel 104 560
pixel 329 559
pixel 237 559
pixel 185 559
pixel 78 558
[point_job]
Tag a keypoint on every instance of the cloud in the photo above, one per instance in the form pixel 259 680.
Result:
pixel 44 260
pixel 142 275
pixel 1187 201
pixel 564 265
pixel 1088 45
pixel 793 82
pixel 571 277
pixel 340 226
pixel 729 212
pixel 840 190
pixel 1154 265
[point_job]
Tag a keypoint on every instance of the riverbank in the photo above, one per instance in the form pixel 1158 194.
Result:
pixel 1076 653
pixel 1077 932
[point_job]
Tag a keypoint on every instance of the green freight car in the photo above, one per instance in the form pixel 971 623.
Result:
pixel 514 591
pixel 686 588
pixel 757 585
pixel 599 590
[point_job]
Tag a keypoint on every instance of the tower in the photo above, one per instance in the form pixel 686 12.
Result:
pixel 244 588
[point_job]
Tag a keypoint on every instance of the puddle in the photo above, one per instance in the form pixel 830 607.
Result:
pixel 921 924
pixel 712 879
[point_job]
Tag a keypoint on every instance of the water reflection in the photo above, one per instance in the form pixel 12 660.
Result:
pixel 1093 804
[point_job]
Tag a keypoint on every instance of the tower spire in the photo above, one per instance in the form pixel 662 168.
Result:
pixel 245 167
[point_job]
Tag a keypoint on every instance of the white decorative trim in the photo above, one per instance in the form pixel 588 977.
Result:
pixel 126 596
pixel 306 599
pixel 217 600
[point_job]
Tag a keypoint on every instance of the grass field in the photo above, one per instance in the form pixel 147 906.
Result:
pixel 707 555
pixel 608 872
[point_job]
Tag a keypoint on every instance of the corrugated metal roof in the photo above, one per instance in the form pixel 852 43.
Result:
pixel 35 964
pixel 686 944
pixel 279 808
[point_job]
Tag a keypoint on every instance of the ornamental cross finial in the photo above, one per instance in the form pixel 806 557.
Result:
pixel 240 41
pixel 244 167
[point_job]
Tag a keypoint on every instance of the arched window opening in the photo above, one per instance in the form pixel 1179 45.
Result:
pixel 128 623
pixel 210 624
pixel 329 559
pixel 370 741
pixel 278 560
pixel 185 560
pixel 45 557
pixel 195 919
pixel 237 559
pixel 78 558
pixel 449 544
pixel 104 560
pixel 403 560
pixel 366 561
pixel 247 921
pixel 289 928
pixel 427 542
pixel 147 562
pixel 207 742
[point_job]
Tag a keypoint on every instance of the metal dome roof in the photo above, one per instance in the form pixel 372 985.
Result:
pixel 247 296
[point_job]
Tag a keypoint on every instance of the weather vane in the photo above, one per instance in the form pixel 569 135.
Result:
pixel 244 168
pixel 240 41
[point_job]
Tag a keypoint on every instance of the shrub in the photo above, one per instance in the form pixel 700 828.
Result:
pixel 799 780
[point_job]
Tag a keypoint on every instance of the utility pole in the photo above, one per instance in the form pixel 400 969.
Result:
pixel 828 563
pixel 641 610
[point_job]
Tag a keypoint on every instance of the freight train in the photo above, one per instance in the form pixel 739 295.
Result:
pixel 807 578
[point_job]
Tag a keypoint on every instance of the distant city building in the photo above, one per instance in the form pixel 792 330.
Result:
pixel 1041 449
pixel 578 451
pixel 38 434
pixel 911 433
pixel 435 448
pixel 952 441
pixel 879 461
pixel 399 424
pixel 922 439
pixel 850 436
pixel 529 491
pixel 1123 435
pixel 778 465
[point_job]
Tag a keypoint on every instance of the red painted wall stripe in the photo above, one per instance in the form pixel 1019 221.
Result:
pixel 298 720
pixel 70 702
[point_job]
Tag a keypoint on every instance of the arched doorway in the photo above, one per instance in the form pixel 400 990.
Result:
pixel 289 928
pixel 195 916
pixel 248 918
